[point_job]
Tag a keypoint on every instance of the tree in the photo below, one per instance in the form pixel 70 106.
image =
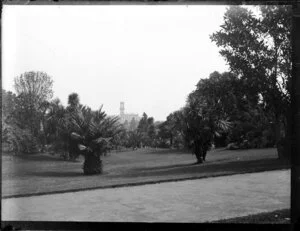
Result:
pixel 225 92
pixel 37 85
pixel 121 139
pixel 73 100
pixel 73 107
pixel 258 49
pixel 133 124
pixel 165 136
pixel 57 127
pixel 142 129
pixel 202 122
pixel 93 132
pixel 175 126
pixel 133 139
pixel 16 139
pixel 146 130
pixel 8 103
pixel 34 90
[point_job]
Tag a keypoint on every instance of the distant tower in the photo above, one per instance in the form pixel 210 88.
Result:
pixel 122 109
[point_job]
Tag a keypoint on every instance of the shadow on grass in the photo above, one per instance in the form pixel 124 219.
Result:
pixel 165 167
pixel 166 151
pixel 55 174
pixel 44 157
pixel 210 168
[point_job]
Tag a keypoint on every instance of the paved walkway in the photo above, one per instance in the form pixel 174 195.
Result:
pixel 184 201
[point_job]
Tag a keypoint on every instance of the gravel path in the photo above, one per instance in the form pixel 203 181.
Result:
pixel 184 201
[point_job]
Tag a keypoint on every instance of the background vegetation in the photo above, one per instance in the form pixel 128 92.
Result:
pixel 247 107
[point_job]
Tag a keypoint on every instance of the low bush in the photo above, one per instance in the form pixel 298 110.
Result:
pixel 17 140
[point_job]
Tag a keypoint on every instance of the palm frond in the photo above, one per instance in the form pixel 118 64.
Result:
pixel 223 125
pixel 76 136
pixel 82 147
pixel 100 139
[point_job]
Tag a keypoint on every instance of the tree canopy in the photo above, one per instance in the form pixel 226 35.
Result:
pixel 257 47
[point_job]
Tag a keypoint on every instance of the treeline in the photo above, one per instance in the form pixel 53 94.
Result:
pixel 249 106
pixel 34 122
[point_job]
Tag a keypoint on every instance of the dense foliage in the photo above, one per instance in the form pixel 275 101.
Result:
pixel 247 107
pixel 258 50
pixel 33 122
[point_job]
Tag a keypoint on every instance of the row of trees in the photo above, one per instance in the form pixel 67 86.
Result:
pixel 33 122
pixel 249 106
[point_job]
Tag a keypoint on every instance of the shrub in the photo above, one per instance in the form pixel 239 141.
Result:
pixel 18 140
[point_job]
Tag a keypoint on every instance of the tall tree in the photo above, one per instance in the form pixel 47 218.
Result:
pixel 203 121
pixel 34 90
pixel 36 85
pixel 257 48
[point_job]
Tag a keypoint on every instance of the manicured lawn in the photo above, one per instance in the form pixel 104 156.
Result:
pixel 276 217
pixel 43 173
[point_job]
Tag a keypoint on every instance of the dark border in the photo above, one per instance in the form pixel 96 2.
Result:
pixel 148 2
pixel 295 106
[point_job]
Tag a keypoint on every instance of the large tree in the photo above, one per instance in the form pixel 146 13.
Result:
pixel 15 137
pixel 36 85
pixel 257 48
pixel 226 94
pixel 203 121
pixel 33 90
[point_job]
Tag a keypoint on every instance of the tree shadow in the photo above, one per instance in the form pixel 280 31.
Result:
pixel 165 167
pixel 208 169
pixel 64 174
pixel 161 151
pixel 55 174
pixel 45 157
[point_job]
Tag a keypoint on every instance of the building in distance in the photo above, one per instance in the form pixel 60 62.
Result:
pixel 130 120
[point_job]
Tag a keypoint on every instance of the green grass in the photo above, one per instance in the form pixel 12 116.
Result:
pixel 275 217
pixel 43 173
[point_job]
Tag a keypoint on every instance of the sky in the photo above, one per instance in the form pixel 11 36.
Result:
pixel 148 56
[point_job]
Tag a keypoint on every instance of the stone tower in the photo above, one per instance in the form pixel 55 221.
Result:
pixel 122 109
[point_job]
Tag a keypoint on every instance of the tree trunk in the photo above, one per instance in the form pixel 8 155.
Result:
pixel 284 146
pixel 204 152
pixel 278 139
pixel 92 164
pixel 198 152
pixel 280 144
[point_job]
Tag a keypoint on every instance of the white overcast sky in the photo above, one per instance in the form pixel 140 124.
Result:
pixel 150 57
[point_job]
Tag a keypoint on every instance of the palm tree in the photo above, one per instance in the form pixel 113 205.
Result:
pixel 58 127
pixel 202 124
pixel 93 131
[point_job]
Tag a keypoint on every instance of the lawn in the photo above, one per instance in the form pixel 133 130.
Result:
pixel 45 173
pixel 275 217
